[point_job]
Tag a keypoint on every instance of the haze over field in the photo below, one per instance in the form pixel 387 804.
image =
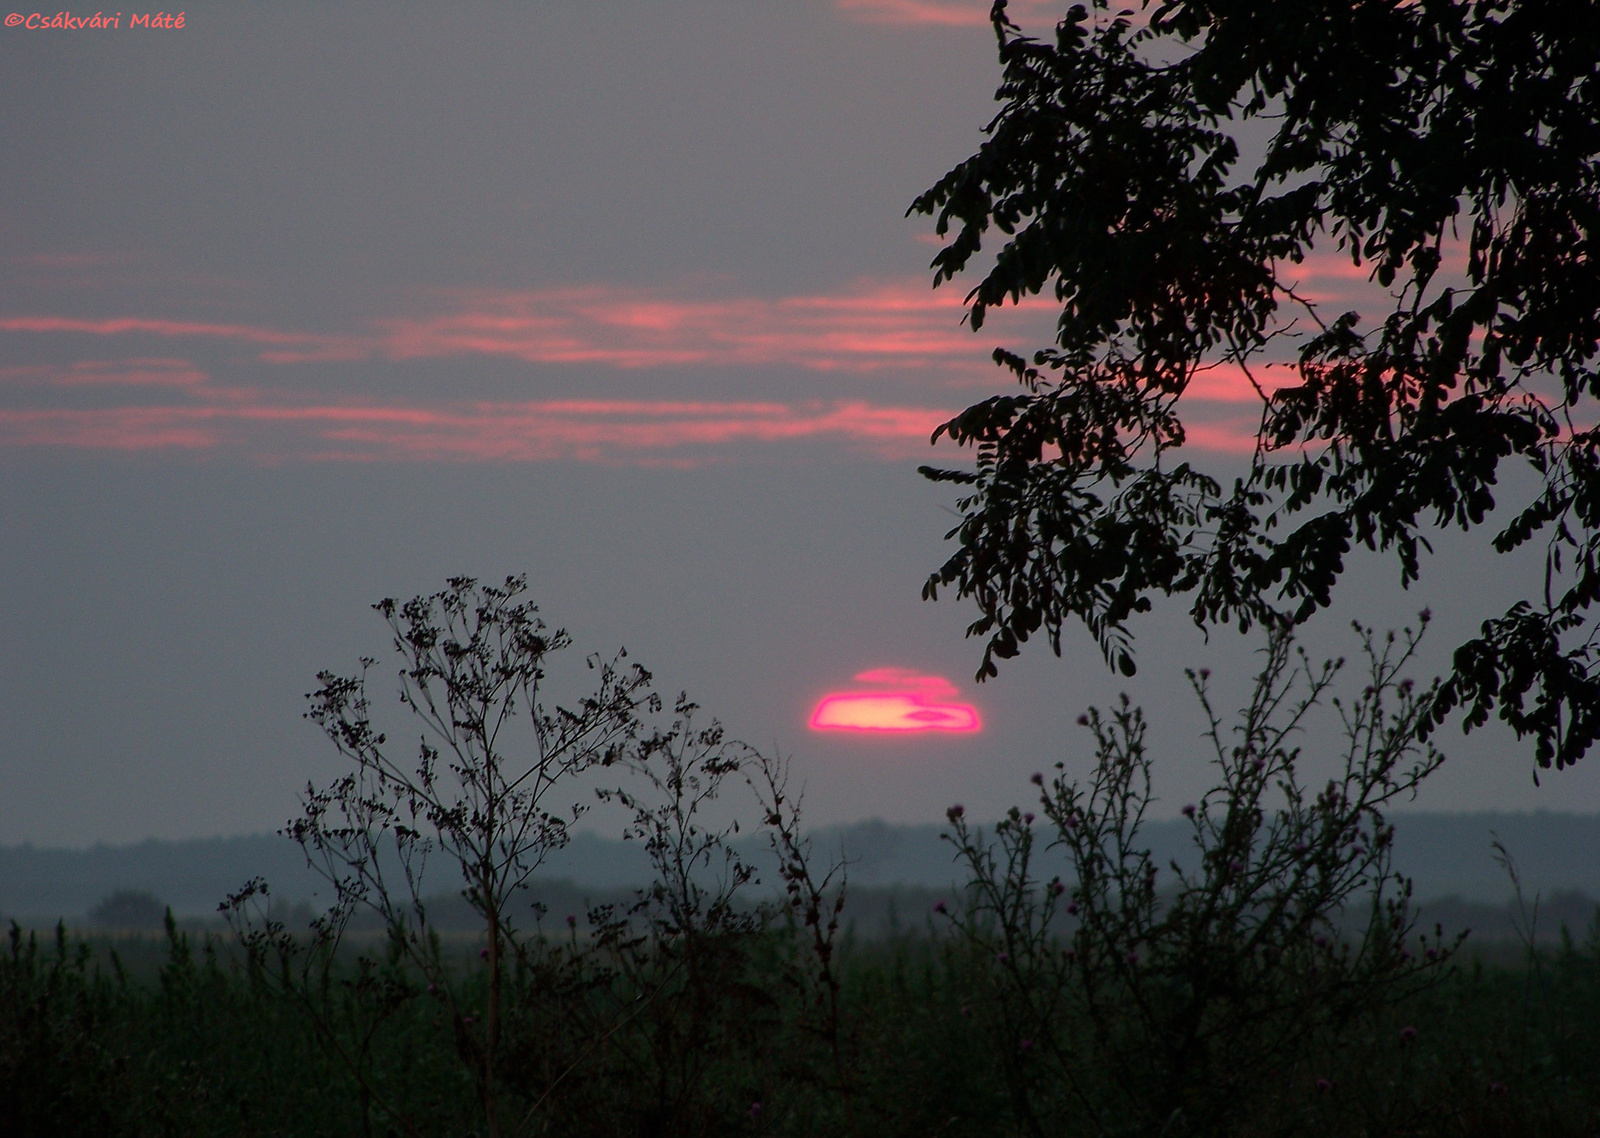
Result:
pixel 1445 855
pixel 307 305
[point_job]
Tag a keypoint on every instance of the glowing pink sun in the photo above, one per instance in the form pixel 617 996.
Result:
pixel 904 701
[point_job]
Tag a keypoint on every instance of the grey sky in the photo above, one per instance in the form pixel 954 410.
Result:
pixel 308 305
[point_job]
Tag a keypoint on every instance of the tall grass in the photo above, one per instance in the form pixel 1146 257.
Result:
pixel 183 1039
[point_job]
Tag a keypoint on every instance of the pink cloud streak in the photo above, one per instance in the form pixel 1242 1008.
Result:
pixel 144 372
pixel 941 13
pixel 871 328
pixel 124 325
pixel 899 329
pixel 590 430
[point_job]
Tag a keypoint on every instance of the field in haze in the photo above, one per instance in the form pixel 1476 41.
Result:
pixel 899 869
pixel 174 1033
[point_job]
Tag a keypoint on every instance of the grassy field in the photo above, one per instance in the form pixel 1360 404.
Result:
pixel 1283 983
pixel 141 1036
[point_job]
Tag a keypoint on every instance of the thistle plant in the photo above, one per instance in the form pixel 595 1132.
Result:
pixel 673 1004
pixel 479 791
pixel 1139 998
pixel 813 899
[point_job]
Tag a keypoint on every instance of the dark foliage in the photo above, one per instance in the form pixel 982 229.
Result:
pixel 1449 147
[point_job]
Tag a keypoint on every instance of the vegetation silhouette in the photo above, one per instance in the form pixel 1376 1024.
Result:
pixel 1277 985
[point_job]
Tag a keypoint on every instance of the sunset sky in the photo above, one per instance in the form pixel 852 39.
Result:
pixel 304 306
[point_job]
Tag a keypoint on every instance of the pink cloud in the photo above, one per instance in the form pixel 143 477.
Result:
pixel 872 327
pixel 137 372
pixel 1331 280
pixel 617 431
pixel 901 330
pixel 943 13
pixel 863 329
pixel 915 12
pixel 605 431
pixel 1229 383
pixel 906 678
pixel 143 372
pixel 1227 436
pixel 586 430
pixel 123 326
pixel 901 325
pixel 111 428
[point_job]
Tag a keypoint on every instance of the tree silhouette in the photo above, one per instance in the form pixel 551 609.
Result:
pixel 1449 148
pixel 129 909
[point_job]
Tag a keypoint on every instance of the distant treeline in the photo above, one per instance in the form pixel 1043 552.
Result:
pixel 878 911
pixel 1446 855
